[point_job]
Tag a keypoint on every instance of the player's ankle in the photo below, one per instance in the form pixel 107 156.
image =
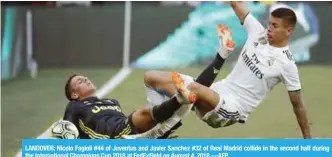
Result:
pixel 223 53
pixel 220 58
pixel 179 98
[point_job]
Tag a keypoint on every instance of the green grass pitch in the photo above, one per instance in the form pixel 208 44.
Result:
pixel 31 106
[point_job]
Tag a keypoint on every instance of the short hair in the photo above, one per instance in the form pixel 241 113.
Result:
pixel 286 14
pixel 68 88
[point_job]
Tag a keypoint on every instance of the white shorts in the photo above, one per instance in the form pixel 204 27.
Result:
pixel 225 113
pixel 154 98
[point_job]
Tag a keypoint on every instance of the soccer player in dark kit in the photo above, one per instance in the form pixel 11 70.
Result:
pixel 97 118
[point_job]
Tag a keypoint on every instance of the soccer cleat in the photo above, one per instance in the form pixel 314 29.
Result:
pixel 186 95
pixel 227 44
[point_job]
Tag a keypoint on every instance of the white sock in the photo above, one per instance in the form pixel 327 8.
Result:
pixel 161 128
pixel 223 50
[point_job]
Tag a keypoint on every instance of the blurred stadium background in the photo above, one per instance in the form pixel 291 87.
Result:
pixel 45 42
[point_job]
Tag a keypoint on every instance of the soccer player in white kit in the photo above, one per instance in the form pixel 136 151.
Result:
pixel 264 61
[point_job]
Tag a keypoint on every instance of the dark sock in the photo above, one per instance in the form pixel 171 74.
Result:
pixel 165 110
pixel 209 74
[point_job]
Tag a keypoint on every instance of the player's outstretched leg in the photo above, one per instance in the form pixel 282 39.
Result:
pixel 155 98
pixel 226 47
pixel 145 118
pixel 167 126
pixel 160 129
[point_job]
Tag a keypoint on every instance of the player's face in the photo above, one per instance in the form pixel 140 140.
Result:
pixel 81 87
pixel 277 30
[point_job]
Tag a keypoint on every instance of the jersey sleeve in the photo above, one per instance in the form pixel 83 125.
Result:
pixel 252 25
pixel 290 77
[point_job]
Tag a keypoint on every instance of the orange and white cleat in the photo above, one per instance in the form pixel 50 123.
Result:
pixel 227 44
pixel 185 94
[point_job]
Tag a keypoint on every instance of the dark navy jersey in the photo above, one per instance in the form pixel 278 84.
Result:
pixel 97 118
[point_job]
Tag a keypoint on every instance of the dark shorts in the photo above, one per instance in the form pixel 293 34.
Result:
pixel 118 126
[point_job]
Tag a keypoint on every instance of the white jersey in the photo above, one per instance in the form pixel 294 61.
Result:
pixel 259 68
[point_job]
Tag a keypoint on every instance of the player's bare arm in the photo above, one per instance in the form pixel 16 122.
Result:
pixel 240 10
pixel 300 112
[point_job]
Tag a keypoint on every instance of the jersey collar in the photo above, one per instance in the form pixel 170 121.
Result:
pixel 278 48
pixel 91 98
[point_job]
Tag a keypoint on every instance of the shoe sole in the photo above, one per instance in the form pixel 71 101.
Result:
pixel 222 30
pixel 180 87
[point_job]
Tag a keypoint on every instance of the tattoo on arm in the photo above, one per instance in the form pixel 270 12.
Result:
pixel 300 112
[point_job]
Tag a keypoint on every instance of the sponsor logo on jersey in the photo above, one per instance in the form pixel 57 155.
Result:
pixel 251 63
pixel 97 109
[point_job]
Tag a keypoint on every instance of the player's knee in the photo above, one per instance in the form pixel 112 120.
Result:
pixel 156 79
pixel 144 112
pixel 151 78
pixel 142 119
pixel 142 116
pixel 214 126
pixel 209 121
pixel 148 77
pixel 214 120
pixel 206 120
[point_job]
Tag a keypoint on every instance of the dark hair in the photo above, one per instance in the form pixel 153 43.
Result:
pixel 286 14
pixel 68 88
